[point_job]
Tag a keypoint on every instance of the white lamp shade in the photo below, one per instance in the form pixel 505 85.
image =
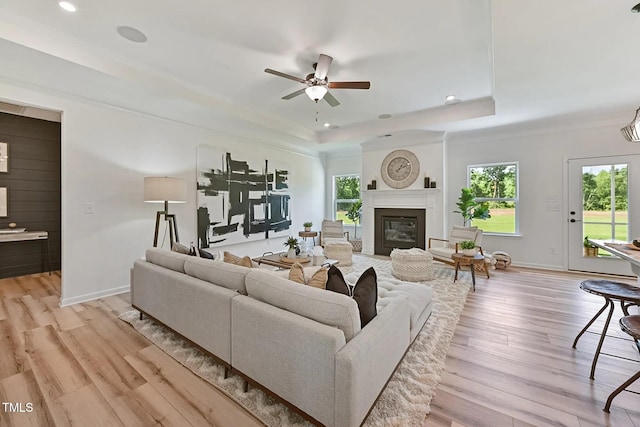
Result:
pixel 316 92
pixel 160 189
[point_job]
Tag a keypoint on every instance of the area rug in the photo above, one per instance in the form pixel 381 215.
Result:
pixel 405 400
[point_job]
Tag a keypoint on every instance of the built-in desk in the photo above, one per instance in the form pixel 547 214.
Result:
pixel 25 236
pixel 622 250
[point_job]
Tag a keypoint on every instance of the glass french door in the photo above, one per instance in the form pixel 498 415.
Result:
pixel 600 207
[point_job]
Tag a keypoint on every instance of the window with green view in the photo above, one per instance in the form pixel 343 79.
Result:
pixel 497 185
pixel 346 192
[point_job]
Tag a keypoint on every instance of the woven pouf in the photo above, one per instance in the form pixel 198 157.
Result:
pixel 412 265
pixel 340 250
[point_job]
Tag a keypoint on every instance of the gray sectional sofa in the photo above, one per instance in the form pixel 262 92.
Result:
pixel 303 344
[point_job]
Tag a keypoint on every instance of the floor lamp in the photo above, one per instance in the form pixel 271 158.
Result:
pixel 164 189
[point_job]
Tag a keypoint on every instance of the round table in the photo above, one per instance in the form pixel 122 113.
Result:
pixel 305 234
pixel 461 260
pixel 627 294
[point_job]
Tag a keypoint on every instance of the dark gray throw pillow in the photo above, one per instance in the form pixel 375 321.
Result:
pixel 336 282
pixel 365 291
pixel 204 254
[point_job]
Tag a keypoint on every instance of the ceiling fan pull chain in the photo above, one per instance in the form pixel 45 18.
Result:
pixel 317 113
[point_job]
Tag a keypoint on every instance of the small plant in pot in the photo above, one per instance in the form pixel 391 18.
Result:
pixel 293 245
pixel 468 247
pixel 589 249
pixel 307 226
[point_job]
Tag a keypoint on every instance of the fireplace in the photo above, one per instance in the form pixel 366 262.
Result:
pixel 398 228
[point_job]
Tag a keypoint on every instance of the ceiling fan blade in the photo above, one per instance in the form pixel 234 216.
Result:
pixel 349 85
pixel 323 66
pixel 331 100
pixel 286 76
pixel 294 94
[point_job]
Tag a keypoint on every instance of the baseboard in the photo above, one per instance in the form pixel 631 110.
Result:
pixel 539 266
pixel 94 296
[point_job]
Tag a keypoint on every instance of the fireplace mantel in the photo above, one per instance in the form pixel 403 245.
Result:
pixel 421 198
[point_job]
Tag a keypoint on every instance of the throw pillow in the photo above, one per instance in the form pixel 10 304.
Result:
pixel 204 254
pixel 336 282
pixel 234 259
pixel 180 248
pixel 296 274
pixel 319 278
pixel 365 292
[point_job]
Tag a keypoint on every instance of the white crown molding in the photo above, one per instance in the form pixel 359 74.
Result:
pixel 569 122
pixel 422 119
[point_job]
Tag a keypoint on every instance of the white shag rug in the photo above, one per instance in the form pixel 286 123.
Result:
pixel 405 400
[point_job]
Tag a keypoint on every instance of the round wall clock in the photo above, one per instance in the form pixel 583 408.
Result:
pixel 400 169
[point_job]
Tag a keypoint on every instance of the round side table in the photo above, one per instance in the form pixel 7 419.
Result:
pixel 305 234
pixel 461 260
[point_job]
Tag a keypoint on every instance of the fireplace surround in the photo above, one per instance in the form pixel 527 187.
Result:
pixel 429 200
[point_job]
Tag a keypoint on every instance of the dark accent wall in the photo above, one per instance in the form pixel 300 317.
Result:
pixel 33 192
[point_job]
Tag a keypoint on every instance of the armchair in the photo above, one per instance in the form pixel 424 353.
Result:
pixel 443 249
pixel 332 230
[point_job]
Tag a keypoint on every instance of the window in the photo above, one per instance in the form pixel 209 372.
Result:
pixel 346 192
pixel 496 184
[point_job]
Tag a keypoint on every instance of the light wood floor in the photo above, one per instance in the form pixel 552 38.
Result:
pixel 510 363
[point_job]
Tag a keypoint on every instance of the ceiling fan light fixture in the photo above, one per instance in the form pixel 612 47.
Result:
pixel 316 93
pixel 631 132
pixel 69 7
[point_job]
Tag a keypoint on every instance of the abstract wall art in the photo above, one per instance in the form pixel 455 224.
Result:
pixel 240 198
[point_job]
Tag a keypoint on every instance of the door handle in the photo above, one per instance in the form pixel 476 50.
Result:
pixel 575 220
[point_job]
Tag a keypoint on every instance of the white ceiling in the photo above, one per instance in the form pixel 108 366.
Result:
pixel 203 62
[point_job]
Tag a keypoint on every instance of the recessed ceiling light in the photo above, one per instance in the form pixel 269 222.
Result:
pixel 327 125
pixel 451 99
pixel 384 116
pixel 67 6
pixel 132 34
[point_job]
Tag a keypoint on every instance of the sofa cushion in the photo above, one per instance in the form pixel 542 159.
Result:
pixel 181 249
pixel 336 282
pixel 167 259
pixel 328 308
pixel 234 259
pixel 230 276
pixel 204 254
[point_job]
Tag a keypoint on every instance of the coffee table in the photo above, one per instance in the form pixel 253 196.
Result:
pixel 280 260
pixel 462 260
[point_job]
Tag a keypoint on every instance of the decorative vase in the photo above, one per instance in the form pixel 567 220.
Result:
pixel 469 252
pixel 291 253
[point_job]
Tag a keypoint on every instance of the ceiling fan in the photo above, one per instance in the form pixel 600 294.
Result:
pixel 318 83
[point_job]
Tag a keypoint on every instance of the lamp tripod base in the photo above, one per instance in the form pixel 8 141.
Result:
pixel 171 223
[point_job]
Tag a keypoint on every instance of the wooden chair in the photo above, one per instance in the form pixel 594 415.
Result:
pixel 630 325
pixel 444 248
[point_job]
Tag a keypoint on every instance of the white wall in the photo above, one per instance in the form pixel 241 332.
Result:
pixel 106 153
pixel 430 154
pixel 542 152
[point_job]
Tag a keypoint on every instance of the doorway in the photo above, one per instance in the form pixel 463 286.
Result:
pixel 603 203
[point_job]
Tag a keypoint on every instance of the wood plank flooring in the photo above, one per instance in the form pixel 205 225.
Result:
pixel 81 366
pixel 510 362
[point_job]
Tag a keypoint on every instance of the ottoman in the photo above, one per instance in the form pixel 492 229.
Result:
pixel 412 265
pixel 340 250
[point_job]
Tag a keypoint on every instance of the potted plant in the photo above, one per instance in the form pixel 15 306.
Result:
pixel 470 209
pixel 355 214
pixel 468 247
pixel 307 226
pixel 589 249
pixel 293 245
